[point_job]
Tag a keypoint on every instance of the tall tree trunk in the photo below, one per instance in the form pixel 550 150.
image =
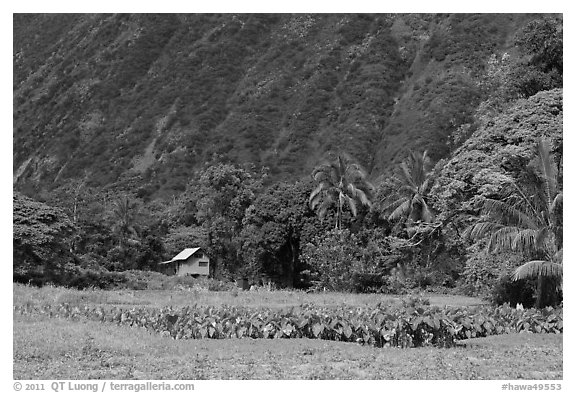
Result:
pixel 339 216
pixel 294 260
pixel 540 292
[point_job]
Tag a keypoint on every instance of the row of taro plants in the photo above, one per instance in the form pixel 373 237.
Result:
pixel 381 326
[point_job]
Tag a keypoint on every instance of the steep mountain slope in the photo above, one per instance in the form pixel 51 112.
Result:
pixel 144 100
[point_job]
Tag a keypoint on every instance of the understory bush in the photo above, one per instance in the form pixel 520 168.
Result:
pixel 340 263
pixel 505 290
pixel 490 275
pixel 82 278
pixel 412 324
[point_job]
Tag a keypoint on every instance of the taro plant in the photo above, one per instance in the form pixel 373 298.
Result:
pixel 386 325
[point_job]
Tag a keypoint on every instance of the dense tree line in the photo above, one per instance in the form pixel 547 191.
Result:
pixel 488 218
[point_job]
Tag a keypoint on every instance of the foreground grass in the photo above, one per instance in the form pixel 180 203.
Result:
pixel 179 298
pixel 61 349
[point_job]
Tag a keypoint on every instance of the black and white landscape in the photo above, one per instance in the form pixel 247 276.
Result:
pixel 288 196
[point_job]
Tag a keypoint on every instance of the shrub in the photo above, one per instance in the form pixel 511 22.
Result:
pixel 91 278
pixel 513 292
pixel 483 270
pixel 339 264
pixel 367 282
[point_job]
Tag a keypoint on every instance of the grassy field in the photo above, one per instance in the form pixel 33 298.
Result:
pixel 180 298
pixel 47 348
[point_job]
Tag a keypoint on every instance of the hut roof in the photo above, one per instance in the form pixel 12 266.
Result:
pixel 183 255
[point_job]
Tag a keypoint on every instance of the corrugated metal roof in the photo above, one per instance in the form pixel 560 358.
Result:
pixel 183 255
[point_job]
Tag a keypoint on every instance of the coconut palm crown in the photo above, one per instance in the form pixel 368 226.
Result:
pixel 531 224
pixel 411 182
pixel 341 183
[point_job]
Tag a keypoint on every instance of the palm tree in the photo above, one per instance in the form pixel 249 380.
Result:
pixel 531 224
pixel 412 182
pixel 340 183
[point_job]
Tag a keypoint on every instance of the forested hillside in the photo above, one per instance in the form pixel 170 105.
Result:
pixel 154 132
pixel 151 98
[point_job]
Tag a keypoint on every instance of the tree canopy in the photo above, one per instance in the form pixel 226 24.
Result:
pixel 41 238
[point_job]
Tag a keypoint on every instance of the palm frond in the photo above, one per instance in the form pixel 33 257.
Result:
pixel 406 175
pixel 525 240
pixel 509 213
pixel 542 236
pixel 556 206
pixel 423 189
pixel 395 202
pixel 502 239
pixel 319 175
pixel 358 194
pixel 481 229
pixel 534 269
pixel 314 195
pixel 401 210
pixel 352 205
pixel 417 169
pixel 355 171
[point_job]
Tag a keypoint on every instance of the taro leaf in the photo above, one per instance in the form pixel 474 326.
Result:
pixel 288 330
pixel 347 331
pixel 552 318
pixel 317 329
pixel 468 334
pixel 211 332
pixel 387 334
pixel 416 322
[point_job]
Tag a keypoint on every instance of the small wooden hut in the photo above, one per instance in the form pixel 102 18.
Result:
pixel 189 262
